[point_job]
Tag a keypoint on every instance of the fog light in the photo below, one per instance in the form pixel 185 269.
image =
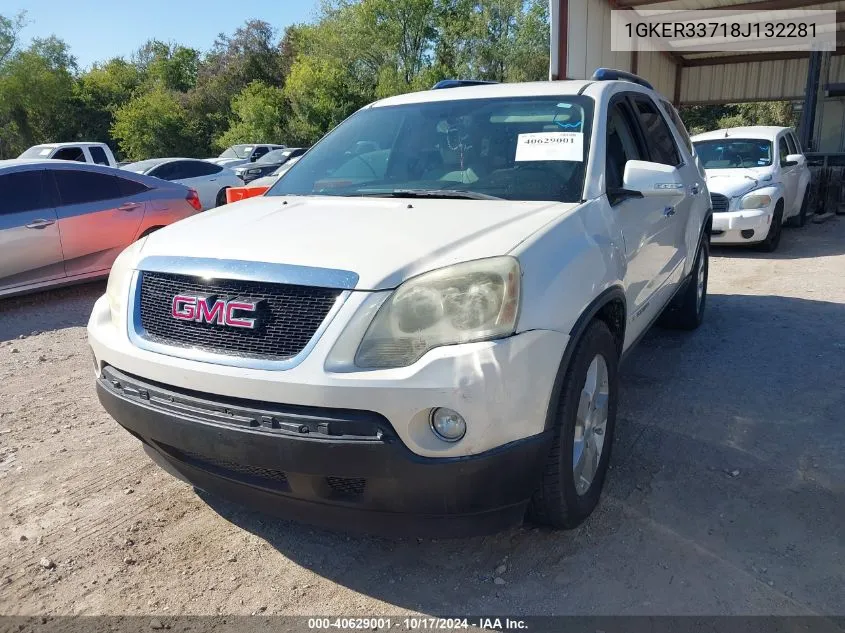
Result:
pixel 747 233
pixel 448 425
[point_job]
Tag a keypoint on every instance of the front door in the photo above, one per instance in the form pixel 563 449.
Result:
pixel 642 220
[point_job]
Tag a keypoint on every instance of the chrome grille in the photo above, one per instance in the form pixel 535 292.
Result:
pixel 287 315
pixel 719 202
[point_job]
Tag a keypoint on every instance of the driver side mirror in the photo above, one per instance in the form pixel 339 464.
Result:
pixel 794 159
pixel 652 179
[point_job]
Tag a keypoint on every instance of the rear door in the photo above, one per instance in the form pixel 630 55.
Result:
pixel 98 156
pixel 30 246
pixel 96 220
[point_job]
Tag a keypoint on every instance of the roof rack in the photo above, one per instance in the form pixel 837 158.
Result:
pixel 458 83
pixel 609 74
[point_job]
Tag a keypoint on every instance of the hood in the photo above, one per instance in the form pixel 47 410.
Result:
pixel 228 162
pixel 381 239
pixel 736 182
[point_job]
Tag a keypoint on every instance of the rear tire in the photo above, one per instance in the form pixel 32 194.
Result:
pixel 770 244
pixel 686 312
pixel 221 198
pixel 585 418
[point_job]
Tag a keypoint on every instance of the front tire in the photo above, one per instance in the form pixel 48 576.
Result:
pixel 686 312
pixel 585 415
pixel 797 221
pixel 221 198
pixel 770 244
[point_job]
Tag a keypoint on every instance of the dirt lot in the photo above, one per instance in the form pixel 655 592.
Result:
pixel 727 493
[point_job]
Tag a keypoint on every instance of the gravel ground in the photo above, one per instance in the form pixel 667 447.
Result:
pixel 726 495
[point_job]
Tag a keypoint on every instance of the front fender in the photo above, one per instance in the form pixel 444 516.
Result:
pixel 567 265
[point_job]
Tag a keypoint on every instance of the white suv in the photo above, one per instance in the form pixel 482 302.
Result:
pixel 418 329
pixel 758 180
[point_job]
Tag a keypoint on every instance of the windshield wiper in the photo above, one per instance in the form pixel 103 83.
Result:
pixel 455 194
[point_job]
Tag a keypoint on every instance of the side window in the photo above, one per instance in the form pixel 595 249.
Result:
pixel 790 143
pixel 622 145
pixel 783 150
pixel 167 171
pixel 70 153
pixel 80 187
pixel 259 152
pixel 98 155
pixel 297 152
pixel 23 191
pixel 197 169
pixel 673 115
pixel 661 145
pixel 130 187
pixel 797 143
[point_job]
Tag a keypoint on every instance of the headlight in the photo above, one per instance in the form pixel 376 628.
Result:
pixel 473 301
pixel 755 201
pixel 253 171
pixel 117 289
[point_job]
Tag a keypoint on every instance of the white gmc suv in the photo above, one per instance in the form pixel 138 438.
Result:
pixel 757 177
pixel 418 329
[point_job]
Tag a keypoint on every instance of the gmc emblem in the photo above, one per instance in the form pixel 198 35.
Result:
pixel 213 310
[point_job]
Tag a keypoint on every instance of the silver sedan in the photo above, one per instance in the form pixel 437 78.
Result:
pixel 64 222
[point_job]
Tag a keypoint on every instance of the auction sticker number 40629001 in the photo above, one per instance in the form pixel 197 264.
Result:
pixel 538 146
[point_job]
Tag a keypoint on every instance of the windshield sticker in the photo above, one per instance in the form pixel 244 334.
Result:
pixel 44 151
pixel 550 146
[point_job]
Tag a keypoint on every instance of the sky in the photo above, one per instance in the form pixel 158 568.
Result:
pixel 97 30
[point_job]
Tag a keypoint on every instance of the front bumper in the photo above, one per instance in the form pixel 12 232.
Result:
pixel 331 467
pixel 728 228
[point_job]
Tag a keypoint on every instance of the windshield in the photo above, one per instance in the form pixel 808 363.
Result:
pixel 275 156
pixel 283 169
pixel 238 151
pixel 526 148
pixel 734 152
pixel 37 152
pixel 142 166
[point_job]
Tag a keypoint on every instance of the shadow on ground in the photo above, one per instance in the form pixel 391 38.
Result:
pixel 726 494
pixel 48 310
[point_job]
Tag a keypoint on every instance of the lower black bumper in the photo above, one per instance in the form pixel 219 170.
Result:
pixel 336 468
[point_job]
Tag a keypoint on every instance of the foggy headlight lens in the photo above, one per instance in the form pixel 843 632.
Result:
pixel 755 201
pixel 117 289
pixel 473 301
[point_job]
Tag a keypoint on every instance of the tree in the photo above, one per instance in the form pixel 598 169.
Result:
pixel 9 29
pixel 260 114
pixel 173 66
pixel 99 93
pixel 36 90
pixel 153 124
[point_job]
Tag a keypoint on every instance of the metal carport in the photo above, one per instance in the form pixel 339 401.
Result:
pixel 581 42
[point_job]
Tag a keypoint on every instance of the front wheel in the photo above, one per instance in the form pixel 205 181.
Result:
pixel 797 221
pixel 221 197
pixel 770 244
pixel 585 415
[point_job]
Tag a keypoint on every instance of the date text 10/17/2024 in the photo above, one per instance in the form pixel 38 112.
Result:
pixel 417 623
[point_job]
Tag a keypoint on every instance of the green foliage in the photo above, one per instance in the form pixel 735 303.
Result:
pixel 259 112
pixel 713 117
pixel 153 124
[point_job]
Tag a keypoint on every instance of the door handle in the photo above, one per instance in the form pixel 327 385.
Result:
pixel 128 206
pixel 694 190
pixel 669 211
pixel 40 224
